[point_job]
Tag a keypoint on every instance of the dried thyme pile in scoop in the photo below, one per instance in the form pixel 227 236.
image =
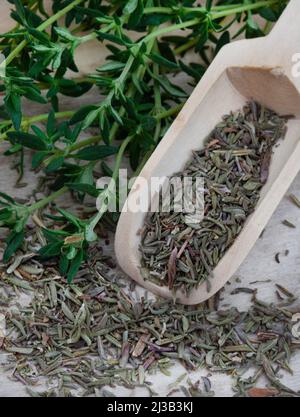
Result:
pixel 234 164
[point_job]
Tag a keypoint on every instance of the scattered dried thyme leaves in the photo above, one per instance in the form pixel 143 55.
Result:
pixel 86 336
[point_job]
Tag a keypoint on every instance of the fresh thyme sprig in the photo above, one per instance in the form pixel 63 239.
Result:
pixel 147 43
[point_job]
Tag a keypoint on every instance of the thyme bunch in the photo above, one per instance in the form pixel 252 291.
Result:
pixel 147 45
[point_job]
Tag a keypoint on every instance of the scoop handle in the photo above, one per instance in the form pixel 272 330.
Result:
pixel 284 42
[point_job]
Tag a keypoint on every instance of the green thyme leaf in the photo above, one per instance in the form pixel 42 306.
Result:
pixel 83 188
pixel 28 140
pixel 13 242
pixel 74 266
pixel 51 250
pixel 93 153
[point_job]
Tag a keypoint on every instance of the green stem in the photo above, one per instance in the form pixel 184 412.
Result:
pixel 126 69
pixel 170 112
pixel 186 46
pixel 140 72
pixel 171 28
pixel 78 80
pixel 29 120
pixel 95 220
pixel 231 8
pixel 214 16
pixel 170 10
pixel 162 115
pixel 120 80
pixel 119 157
pixel 58 15
pixel 45 201
pixel 84 142
pixel 157 97
pixel 42 27
pixel 16 52
pixel 267 27
pixel 151 37
pixel 244 8
pixel 41 117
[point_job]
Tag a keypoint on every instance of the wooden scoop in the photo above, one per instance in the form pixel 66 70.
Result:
pixel 263 69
